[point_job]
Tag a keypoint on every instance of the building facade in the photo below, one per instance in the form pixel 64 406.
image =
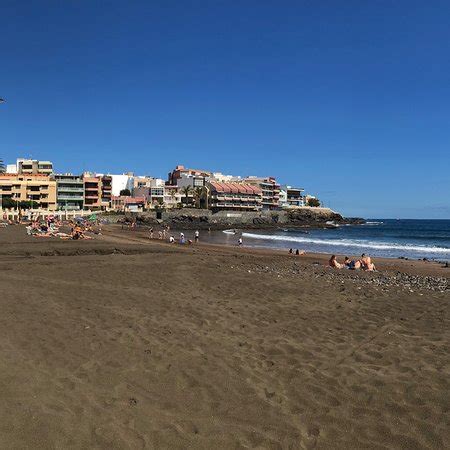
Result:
pixel 234 196
pixel 127 203
pixel 34 167
pixel 121 182
pixel 97 191
pixel 36 188
pixel 181 171
pixel 291 197
pixel 270 191
pixel 69 192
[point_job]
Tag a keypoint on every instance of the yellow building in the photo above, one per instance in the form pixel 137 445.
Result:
pixel 37 188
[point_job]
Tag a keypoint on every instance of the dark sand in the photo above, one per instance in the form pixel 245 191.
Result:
pixel 122 343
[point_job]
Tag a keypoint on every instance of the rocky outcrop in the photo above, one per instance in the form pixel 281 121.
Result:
pixel 203 219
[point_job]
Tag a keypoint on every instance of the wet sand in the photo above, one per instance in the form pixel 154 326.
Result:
pixel 124 343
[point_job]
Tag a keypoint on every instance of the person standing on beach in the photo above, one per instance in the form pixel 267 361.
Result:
pixel 182 238
pixel 151 233
pixel 240 242
pixel 196 236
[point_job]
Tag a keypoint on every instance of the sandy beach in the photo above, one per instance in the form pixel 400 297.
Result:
pixel 122 343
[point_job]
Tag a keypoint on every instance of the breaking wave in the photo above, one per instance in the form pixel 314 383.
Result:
pixel 353 243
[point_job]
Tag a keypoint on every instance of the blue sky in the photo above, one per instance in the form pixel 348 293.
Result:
pixel 350 100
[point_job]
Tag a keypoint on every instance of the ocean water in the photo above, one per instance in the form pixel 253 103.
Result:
pixel 414 239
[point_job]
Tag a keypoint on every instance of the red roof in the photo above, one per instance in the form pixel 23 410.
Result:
pixel 235 188
pixel 133 200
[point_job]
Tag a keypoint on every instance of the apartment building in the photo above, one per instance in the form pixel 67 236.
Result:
pixel 270 190
pixel 106 191
pixel 153 190
pixel 291 197
pixel 122 182
pixel 34 167
pixel 97 191
pixel 183 172
pixel 127 203
pixel 36 188
pixel 234 196
pixel 172 196
pixel 69 192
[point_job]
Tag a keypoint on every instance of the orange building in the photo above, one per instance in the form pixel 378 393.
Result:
pixel 26 187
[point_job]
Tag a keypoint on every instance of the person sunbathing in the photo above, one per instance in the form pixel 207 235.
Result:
pixel 366 263
pixel 334 263
pixel 352 264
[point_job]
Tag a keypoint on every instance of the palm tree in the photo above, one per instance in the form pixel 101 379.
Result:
pixel 198 192
pixel 2 166
pixel 173 194
pixel 186 191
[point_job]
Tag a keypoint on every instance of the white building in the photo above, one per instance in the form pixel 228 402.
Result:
pixel 121 182
pixel 221 178
pixel 291 197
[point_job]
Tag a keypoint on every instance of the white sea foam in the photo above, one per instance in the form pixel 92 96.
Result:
pixel 372 223
pixel 352 243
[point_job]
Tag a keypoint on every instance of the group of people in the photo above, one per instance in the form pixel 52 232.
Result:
pixel 50 227
pixel 297 252
pixel 44 228
pixel 162 234
pixel 364 263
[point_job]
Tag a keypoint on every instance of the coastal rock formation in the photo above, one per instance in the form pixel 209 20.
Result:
pixel 204 219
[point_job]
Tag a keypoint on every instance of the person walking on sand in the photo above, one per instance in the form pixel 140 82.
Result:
pixel 182 240
pixel 151 233
pixel 196 236
pixel 240 242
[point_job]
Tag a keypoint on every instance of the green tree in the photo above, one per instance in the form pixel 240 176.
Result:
pixel 27 204
pixel 173 194
pixel 198 193
pixel 186 191
pixel 313 202
pixel 8 203
pixel 125 192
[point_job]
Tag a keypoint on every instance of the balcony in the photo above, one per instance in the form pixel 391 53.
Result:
pixel 69 181
pixel 72 198
pixel 70 189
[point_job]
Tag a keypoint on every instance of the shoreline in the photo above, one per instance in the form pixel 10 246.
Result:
pixel 428 265
pixel 392 265
pixel 114 238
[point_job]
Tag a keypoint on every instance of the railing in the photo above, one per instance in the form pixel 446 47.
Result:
pixel 71 197
pixel 69 181
pixel 70 189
